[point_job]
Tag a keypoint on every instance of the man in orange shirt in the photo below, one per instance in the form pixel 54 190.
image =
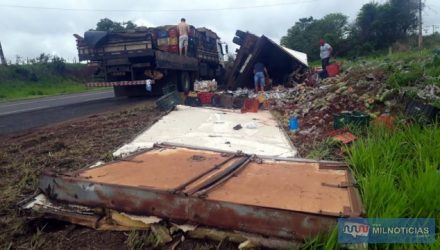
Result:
pixel 183 28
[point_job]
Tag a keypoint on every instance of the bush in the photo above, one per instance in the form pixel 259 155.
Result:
pixel 26 74
pixel 58 64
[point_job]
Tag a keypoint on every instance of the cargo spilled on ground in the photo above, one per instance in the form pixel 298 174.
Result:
pixel 399 157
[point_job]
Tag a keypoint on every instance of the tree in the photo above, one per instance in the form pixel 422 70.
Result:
pixel 129 25
pixel 366 22
pixel 380 25
pixel 106 24
pixel 305 34
pixel 43 58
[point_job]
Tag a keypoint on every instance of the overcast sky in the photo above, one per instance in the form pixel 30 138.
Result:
pixel 30 27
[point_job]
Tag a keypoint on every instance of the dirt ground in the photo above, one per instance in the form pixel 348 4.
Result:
pixel 69 146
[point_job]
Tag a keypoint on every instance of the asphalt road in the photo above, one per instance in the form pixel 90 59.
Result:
pixel 53 101
pixel 23 115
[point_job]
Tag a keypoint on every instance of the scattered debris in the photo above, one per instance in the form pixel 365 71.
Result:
pixel 345 137
pixel 207 85
pixel 386 119
pixel 237 127
pixel 162 234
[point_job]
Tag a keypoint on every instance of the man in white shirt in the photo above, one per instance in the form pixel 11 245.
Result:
pixel 325 53
pixel 183 28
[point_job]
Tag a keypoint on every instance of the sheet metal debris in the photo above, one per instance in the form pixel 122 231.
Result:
pixel 290 199
pixel 213 128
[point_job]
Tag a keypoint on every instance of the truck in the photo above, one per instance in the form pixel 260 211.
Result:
pixel 126 60
pixel 283 64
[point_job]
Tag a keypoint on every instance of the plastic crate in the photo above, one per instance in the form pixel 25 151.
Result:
pixel 215 101
pixel 332 69
pixel 169 101
pixel 205 97
pixel 192 101
pixel 250 105
pixel 421 112
pixel 340 120
pixel 356 118
pixel 226 101
pixel 360 119
pixel 169 88
pixel 238 102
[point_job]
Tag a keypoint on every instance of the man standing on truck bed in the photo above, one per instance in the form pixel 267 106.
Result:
pixel 183 28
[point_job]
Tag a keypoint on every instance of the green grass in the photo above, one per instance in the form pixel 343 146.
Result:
pixel 35 80
pixel 398 176
pixel 18 90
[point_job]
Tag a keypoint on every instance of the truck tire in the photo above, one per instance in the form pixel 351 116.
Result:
pixel 185 82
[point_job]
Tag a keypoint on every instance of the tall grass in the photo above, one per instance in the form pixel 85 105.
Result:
pixel 33 80
pixel 21 90
pixel 398 172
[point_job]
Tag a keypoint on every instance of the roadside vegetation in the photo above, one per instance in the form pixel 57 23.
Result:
pixel 398 175
pixel 398 172
pixel 378 27
pixel 42 76
pixel 397 168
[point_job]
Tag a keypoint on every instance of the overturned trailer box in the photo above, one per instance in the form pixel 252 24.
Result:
pixel 282 63
pixel 283 198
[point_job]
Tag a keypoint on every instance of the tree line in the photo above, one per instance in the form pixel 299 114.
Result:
pixel 376 27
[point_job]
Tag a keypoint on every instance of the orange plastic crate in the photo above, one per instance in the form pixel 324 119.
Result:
pixel 250 105
pixel 332 69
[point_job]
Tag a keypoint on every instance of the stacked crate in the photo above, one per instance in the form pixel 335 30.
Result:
pixel 192 42
pixel 162 39
pixel 173 40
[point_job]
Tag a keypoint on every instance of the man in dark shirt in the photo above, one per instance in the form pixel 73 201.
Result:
pixel 259 72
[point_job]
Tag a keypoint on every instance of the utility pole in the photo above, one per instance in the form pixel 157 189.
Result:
pixel 420 25
pixel 2 57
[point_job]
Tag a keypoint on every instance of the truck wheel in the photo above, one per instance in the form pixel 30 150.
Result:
pixel 185 82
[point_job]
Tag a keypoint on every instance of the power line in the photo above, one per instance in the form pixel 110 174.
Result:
pixel 160 10
pixel 430 7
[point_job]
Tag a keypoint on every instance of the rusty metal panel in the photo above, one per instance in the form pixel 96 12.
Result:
pixel 266 221
pixel 287 199
pixel 261 220
pixel 273 184
pixel 158 169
